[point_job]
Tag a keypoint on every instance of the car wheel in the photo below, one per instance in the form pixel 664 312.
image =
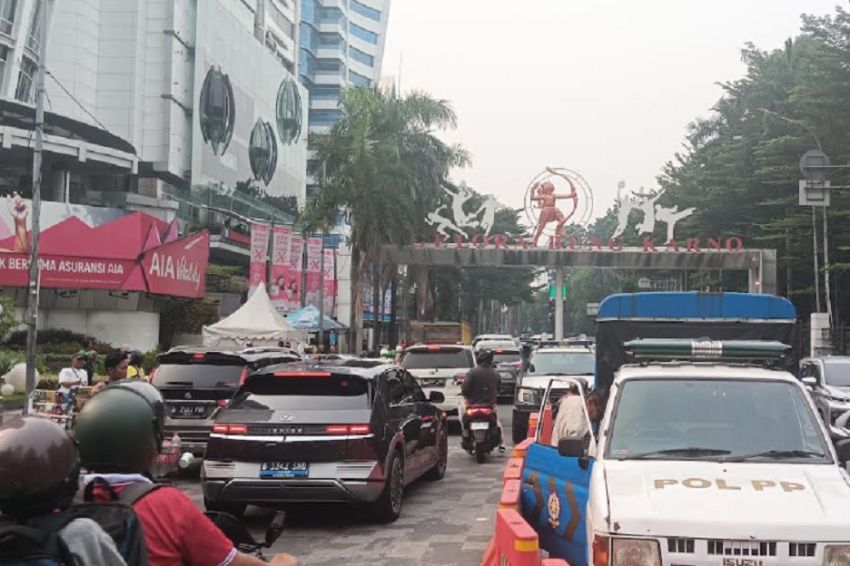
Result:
pixel 388 507
pixel 235 509
pixel 439 469
pixel 519 427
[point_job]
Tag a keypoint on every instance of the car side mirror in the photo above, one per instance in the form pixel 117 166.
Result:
pixel 436 397
pixel 571 447
pixel 810 381
pixel 842 448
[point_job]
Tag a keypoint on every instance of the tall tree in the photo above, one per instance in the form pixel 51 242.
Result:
pixel 383 163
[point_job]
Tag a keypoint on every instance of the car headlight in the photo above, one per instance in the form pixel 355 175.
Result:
pixel 635 552
pixel 837 555
pixel 528 396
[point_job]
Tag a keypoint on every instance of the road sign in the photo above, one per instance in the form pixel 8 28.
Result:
pixel 814 165
pixel 814 193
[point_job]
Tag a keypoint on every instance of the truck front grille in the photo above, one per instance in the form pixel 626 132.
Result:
pixel 741 548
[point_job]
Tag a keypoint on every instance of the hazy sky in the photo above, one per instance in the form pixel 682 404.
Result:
pixel 604 87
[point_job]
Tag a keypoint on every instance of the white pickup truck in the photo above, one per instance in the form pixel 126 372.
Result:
pixel 720 463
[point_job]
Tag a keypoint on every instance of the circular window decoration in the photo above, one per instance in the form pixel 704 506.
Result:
pixel 217 108
pixel 262 151
pixel 288 112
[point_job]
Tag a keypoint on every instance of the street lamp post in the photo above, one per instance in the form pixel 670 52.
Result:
pixel 34 273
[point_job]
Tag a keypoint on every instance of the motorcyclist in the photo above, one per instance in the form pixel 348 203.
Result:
pixel 120 435
pixel 481 387
pixel 39 476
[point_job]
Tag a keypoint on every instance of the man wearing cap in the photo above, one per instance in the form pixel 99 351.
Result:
pixel 74 376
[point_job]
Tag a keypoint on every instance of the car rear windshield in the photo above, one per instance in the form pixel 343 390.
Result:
pixel 838 372
pixel 271 393
pixel 506 357
pixel 198 376
pixel 444 358
pixel 563 363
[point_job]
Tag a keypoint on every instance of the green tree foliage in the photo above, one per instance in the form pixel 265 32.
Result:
pixel 740 165
pixel 383 164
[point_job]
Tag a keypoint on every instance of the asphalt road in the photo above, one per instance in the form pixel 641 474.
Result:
pixel 444 522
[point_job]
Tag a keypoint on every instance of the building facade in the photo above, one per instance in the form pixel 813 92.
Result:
pixel 172 107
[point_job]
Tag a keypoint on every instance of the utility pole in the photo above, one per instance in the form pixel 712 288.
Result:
pixel 34 274
pixel 322 293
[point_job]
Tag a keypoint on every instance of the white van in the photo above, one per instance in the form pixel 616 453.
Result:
pixel 697 463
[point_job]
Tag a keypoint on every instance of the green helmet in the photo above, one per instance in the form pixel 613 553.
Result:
pixel 39 467
pixel 118 431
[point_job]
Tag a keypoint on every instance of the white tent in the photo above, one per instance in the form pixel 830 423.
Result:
pixel 257 323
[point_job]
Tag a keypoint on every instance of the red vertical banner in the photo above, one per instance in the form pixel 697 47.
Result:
pixel 278 289
pixel 259 250
pixel 293 274
pixel 329 282
pixel 314 271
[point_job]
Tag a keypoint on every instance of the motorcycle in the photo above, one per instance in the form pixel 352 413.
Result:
pixel 481 431
pixel 238 534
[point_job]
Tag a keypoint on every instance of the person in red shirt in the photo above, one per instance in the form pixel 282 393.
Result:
pixel 119 433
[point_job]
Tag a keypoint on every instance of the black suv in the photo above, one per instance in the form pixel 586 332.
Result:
pixel 355 431
pixel 197 382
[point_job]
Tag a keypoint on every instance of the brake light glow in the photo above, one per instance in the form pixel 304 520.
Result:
pixel 434 347
pixel 243 376
pixel 348 429
pixel 479 411
pixel 222 402
pixel 197 356
pixel 221 428
pixel 302 374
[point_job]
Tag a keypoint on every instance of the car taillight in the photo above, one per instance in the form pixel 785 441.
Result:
pixel 434 347
pixel 221 428
pixel 479 411
pixel 600 551
pixel 349 429
pixel 197 356
pixel 222 402
pixel 243 376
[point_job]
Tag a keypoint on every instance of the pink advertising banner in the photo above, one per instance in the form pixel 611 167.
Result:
pixel 329 282
pixel 296 256
pixel 314 271
pixel 280 290
pixel 83 247
pixel 260 234
pixel 178 268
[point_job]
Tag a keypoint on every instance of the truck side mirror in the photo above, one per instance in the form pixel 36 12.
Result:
pixel 809 380
pixel 574 447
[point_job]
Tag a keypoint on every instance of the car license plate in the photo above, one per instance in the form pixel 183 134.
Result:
pixel 189 411
pixel 433 382
pixel 284 469
pixel 480 426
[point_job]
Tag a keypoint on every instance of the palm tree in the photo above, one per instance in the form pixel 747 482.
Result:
pixel 383 164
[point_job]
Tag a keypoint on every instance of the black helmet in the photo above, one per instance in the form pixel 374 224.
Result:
pixel 151 395
pixel 484 357
pixel 39 467
pixel 118 430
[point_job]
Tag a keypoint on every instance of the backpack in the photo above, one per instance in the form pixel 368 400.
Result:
pixel 37 543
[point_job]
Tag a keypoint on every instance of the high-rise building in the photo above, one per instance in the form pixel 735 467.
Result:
pixel 341 44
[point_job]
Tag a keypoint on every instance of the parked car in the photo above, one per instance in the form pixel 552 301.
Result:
pixel 353 432
pixel 439 367
pixel 828 380
pixel 197 382
pixel 495 344
pixel 544 365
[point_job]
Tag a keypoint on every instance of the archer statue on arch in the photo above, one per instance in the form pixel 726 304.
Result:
pixel 547 201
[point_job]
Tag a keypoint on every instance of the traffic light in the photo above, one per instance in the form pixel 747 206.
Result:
pixel 552 291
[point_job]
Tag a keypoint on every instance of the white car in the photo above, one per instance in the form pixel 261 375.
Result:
pixel 697 464
pixel 481 337
pixel 440 367
pixel 496 345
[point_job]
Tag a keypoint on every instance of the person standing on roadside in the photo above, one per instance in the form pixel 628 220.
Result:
pixel 116 364
pixel 74 376
pixel 91 360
